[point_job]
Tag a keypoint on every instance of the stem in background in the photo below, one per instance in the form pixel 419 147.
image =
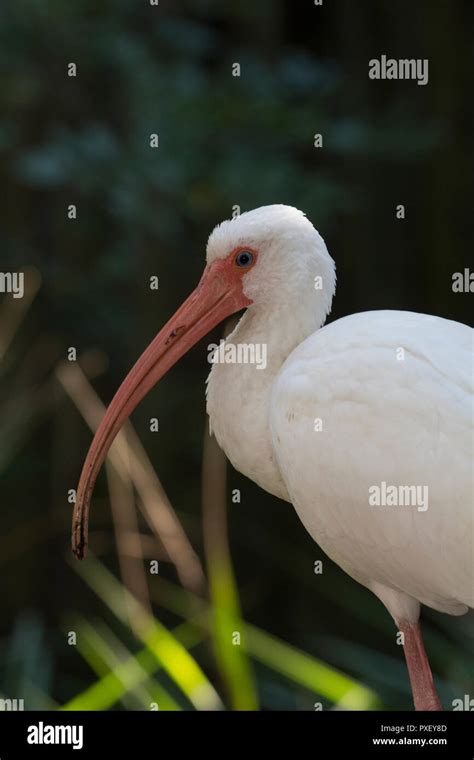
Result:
pixel 126 526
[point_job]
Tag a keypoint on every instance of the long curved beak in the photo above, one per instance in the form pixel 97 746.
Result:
pixel 216 297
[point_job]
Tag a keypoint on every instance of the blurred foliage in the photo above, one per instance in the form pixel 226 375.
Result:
pixel 223 141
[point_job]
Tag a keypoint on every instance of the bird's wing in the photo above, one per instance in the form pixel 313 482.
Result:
pixel 384 398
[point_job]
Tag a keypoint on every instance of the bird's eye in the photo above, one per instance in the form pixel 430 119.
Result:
pixel 244 258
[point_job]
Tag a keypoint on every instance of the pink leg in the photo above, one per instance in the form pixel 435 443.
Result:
pixel 421 679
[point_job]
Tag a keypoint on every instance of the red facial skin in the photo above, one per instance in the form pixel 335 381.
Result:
pixel 218 295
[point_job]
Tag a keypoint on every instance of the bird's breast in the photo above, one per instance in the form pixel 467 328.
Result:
pixel 238 404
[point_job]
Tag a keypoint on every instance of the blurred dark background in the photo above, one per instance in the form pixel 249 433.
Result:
pixel 223 141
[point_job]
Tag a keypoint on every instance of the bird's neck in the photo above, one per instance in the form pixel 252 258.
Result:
pixel 278 330
pixel 238 396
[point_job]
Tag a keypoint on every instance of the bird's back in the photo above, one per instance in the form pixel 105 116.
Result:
pixel 372 426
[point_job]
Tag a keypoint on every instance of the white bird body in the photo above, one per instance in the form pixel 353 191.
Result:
pixel 384 420
pixel 392 392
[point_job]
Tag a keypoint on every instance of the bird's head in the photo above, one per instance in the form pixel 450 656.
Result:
pixel 271 254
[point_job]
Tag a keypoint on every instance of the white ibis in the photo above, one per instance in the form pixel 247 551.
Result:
pixel 364 425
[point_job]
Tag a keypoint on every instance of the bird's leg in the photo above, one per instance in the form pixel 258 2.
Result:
pixel 423 689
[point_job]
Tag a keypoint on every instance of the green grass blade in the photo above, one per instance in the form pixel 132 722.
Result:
pixel 120 675
pixel 173 656
pixel 227 625
pixel 308 671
